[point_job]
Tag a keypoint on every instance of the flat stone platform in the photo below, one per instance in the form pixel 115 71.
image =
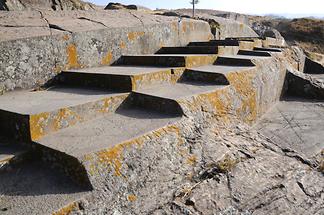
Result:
pixel 121 70
pixel 298 125
pixel 33 188
pixel 223 69
pixel 168 60
pixel 29 102
pixel 179 90
pixel 106 131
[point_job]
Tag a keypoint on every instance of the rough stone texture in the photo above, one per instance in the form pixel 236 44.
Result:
pixel 81 39
pixel 242 18
pixel 226 27
pixel 296 124
pixel 207 162
pixel 209 169
pixel 14 5
pixel 296 57
pixel 304 85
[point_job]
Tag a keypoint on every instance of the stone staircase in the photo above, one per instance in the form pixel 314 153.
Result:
pixel 82 122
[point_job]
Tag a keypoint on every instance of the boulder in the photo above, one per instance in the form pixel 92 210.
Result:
pixel 118 6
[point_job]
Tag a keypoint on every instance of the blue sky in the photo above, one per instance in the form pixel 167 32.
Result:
pixel 282 7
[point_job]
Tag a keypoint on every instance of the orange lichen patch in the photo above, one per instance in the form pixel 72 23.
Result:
pixel 176 130
pixel 243 84
pixel 66 115
pixel 218 102
pixel 139 81
pixel 111 103
pixel 112 158
pixel 106 60
pixel 65 37
pixel 174 26
pixel 37 124
pixel 122 45
pixel 245 45
pixel 184 27
pixel 135 35
pixel 177 73
pixel 72 55
pixel 67 209
pixel 191 25
pixel 131 198
pixel 105 106
pixel 192 160
pixel 193 61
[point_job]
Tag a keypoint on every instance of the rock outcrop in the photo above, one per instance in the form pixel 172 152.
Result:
pixel 79 39
pixel 149 114
pixel 13 5
pixel 225 27
pixel 118 6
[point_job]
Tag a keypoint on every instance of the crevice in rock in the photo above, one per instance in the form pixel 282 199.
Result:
pixel 301 186
pixel 137 18
pixel 51 26
pixel 289 153
pixel 94 21
pixel 20 26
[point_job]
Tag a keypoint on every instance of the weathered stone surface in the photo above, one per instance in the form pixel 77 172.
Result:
pixel 84 39
pixel 304 85
pixel 225 27
pixel 14 5
pixel 296 124
pixel 208 161
pixel 295 57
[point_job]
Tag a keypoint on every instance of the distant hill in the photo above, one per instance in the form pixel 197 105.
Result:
pixel 308 33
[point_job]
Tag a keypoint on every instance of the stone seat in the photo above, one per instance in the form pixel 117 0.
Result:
pixel 168 60
pixel 124 78
pixel 29 115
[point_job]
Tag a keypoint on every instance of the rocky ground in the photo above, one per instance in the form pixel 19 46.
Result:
pixel 233 170
pixel 210 167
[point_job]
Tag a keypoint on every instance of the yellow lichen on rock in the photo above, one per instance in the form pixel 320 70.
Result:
pixel 193 61
pixel 243 84
pixel 72 56
pixel 114 156
pixel 67 209
pixel 226 164
pixel 37 123
pixel 67 115
pixel 139 81
pixel 135 35
pixel 131 198
pixel 122 45
pixel 106 60
pixel 192 160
